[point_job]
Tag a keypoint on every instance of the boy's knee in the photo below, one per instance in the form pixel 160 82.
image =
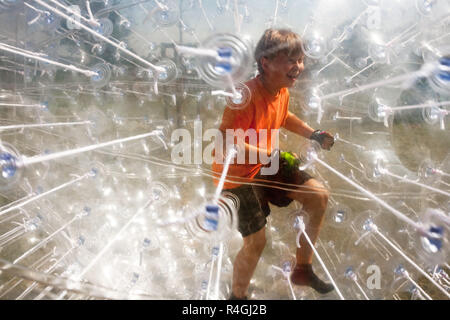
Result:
pixel 324 195
pixel 320 196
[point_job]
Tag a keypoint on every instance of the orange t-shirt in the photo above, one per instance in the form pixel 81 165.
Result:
pixel 263 112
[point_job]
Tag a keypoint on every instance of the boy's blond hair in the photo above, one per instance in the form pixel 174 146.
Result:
pixel 274 41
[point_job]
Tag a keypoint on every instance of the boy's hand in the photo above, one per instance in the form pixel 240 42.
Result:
pixel 325 139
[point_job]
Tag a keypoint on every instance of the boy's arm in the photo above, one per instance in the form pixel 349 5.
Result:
pixel 294 124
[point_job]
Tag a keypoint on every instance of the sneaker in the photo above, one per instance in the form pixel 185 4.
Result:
pixel 233 297
pixel 303 275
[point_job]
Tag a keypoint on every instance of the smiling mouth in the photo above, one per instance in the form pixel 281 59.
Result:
pixel 293 77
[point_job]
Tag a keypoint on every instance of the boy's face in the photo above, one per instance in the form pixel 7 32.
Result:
pixel 282 71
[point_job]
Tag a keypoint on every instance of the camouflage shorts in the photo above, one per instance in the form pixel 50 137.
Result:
pixel 254 199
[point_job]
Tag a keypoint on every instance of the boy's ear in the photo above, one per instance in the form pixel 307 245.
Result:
pixel 265 64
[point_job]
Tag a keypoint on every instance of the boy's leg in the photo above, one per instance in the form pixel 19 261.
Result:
pixel 314 198
pixel 246 261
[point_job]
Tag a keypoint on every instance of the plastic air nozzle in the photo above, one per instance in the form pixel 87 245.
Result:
pixel 211 217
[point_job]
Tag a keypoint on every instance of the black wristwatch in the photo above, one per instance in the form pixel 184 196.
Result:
pixel 317 136
pixel 320 135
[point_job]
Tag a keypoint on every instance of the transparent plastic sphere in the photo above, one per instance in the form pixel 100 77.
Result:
pixel 334 44
pixel 125 24
pixel 293 219
pixel 314 100
pixel 142 73
pixel 170 72
pixel 101 79
pixel 213 221
pixel 51 19
pixel 159 193
pixel 308 154
pixel 350 274
pixel 98 49
pixel 11 168
pixel 431 115
pixel 105 27
pixel 433 249
pixel 361 62
pixel 9 3
pixel 166 14
pixel 231 200
pixel 440 79
pixel 179 259
pixel 97 171
pixel 350 269
pixel 314 45
pixel 378 53
pixel 364 220
pixel 212 249
pixel 100 122
pixel 428 172
pixel 378 109
pixel 374 169
pixel 372 2
pixel 48 67
pixel 188 63
pixel 236 60
pixel 339 215
pixel 426 7
pixel 243 99
pixel 400 277
pixel 149 243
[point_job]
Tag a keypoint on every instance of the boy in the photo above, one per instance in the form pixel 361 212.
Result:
pixel 280 62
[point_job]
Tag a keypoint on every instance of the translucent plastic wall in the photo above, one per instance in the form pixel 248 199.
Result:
pixel 95 205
